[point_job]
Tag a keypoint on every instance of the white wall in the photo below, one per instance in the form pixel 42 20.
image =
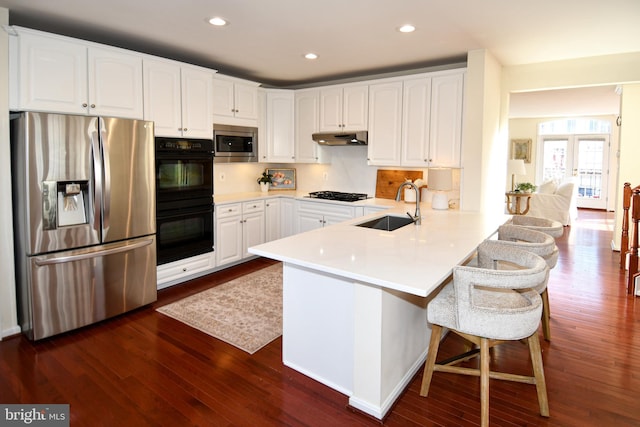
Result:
pixel 480 186
pixel 8 317
pixel 629 151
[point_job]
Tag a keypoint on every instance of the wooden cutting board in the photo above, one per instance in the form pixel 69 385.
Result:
pixel 388 181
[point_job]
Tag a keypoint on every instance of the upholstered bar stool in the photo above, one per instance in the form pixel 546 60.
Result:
pixel 487 306
pixel 553 228
pixel 540 244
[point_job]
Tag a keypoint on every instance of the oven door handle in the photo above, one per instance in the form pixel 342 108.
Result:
pixel 172 213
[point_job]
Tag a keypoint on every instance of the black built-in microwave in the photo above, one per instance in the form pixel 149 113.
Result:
pixel 235 143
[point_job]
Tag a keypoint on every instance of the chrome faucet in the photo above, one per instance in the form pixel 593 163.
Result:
pixel 416 216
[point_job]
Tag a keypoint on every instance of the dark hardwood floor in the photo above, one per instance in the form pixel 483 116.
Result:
pixel 145 369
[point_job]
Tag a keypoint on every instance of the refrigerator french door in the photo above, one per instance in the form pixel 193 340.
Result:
pixel 84 219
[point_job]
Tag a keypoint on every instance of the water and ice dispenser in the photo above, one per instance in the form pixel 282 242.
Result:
pixel 64 203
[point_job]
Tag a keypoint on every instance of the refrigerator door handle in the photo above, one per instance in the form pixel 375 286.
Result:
pixel 93 253
pixel 97 167
pixel 107 177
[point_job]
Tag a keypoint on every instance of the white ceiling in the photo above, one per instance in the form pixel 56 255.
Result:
pixel 266 39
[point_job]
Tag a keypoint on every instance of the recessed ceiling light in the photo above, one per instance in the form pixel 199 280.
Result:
pixel 311 56
pixel 218 22
pixel 408 28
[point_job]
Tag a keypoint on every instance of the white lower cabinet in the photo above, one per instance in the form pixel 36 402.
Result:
pixel 312 215
pixel 185 269
pixel 272 224
pixel 287 217
pixel 238 227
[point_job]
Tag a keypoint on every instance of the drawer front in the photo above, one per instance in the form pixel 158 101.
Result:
pixel 184 268
pixel 323 208
pixel 231 209
pixel 253 206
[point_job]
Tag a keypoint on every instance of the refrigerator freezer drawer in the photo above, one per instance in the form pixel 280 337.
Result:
pixel 70 289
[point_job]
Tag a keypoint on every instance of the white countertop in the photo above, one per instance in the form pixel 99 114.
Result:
pixel 412 259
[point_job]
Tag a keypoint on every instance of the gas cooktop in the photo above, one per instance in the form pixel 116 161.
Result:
pixel 337 195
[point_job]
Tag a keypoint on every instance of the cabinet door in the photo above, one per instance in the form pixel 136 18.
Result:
pixel 52 74
pixel 223 98
pixel 246 101
pixel 385 121
pixel 280 115
pixel 162 97
pixel 228 239
pixel 446 120
pixel 331 109
pixel 287 217
pixel 309 221
pixel 415 122
pixel 306 123
pixel 197 110
pixel 355 107
pixel 272 220
pixel 253 231
pixel 115 83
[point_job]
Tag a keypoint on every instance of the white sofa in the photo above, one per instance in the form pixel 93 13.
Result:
pixel 555 202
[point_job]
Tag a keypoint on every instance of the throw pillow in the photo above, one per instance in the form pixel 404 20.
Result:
pixel 565 189
pixel 547 187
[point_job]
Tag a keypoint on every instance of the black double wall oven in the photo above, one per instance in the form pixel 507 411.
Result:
pixel 184 198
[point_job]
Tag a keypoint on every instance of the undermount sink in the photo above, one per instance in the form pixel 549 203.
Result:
pixel 387 222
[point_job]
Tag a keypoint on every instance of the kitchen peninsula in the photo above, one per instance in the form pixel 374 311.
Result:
pixel 354 298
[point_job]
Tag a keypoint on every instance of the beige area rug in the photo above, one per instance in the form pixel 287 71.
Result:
pixel 245 312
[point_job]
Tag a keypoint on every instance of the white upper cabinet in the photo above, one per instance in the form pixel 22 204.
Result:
pixel 415 121
pixel 235 101
pixel 178 98
pixel 445 133
pixel 385 123
pixel 432 120
pixel 280 126
pixel 344 108
pixel 307 104
pixel 59 74
pixel 115 83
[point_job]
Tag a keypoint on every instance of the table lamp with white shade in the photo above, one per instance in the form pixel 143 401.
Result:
pixel 440 180
pixel 515 167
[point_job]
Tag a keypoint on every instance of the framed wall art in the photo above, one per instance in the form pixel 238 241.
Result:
pixel 282 179
pixel 521 149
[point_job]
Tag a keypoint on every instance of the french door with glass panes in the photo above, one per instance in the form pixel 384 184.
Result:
pixel 585 157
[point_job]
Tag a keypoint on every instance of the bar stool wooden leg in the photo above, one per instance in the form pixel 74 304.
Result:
pixel 538 373
pixel 546 315
pixel 434 343
pixel 484 382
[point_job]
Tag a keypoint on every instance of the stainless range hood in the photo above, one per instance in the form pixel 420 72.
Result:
pixel 341 138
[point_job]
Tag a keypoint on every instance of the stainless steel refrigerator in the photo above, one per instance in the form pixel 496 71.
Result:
pixel 84 219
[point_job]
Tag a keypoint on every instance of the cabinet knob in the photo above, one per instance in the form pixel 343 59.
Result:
pixel 230 210
pixel 84 104
pixel 184 129
pixel 93 105
pixel 184 269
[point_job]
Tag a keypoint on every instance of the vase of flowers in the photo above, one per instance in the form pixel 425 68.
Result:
pixel 264 181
